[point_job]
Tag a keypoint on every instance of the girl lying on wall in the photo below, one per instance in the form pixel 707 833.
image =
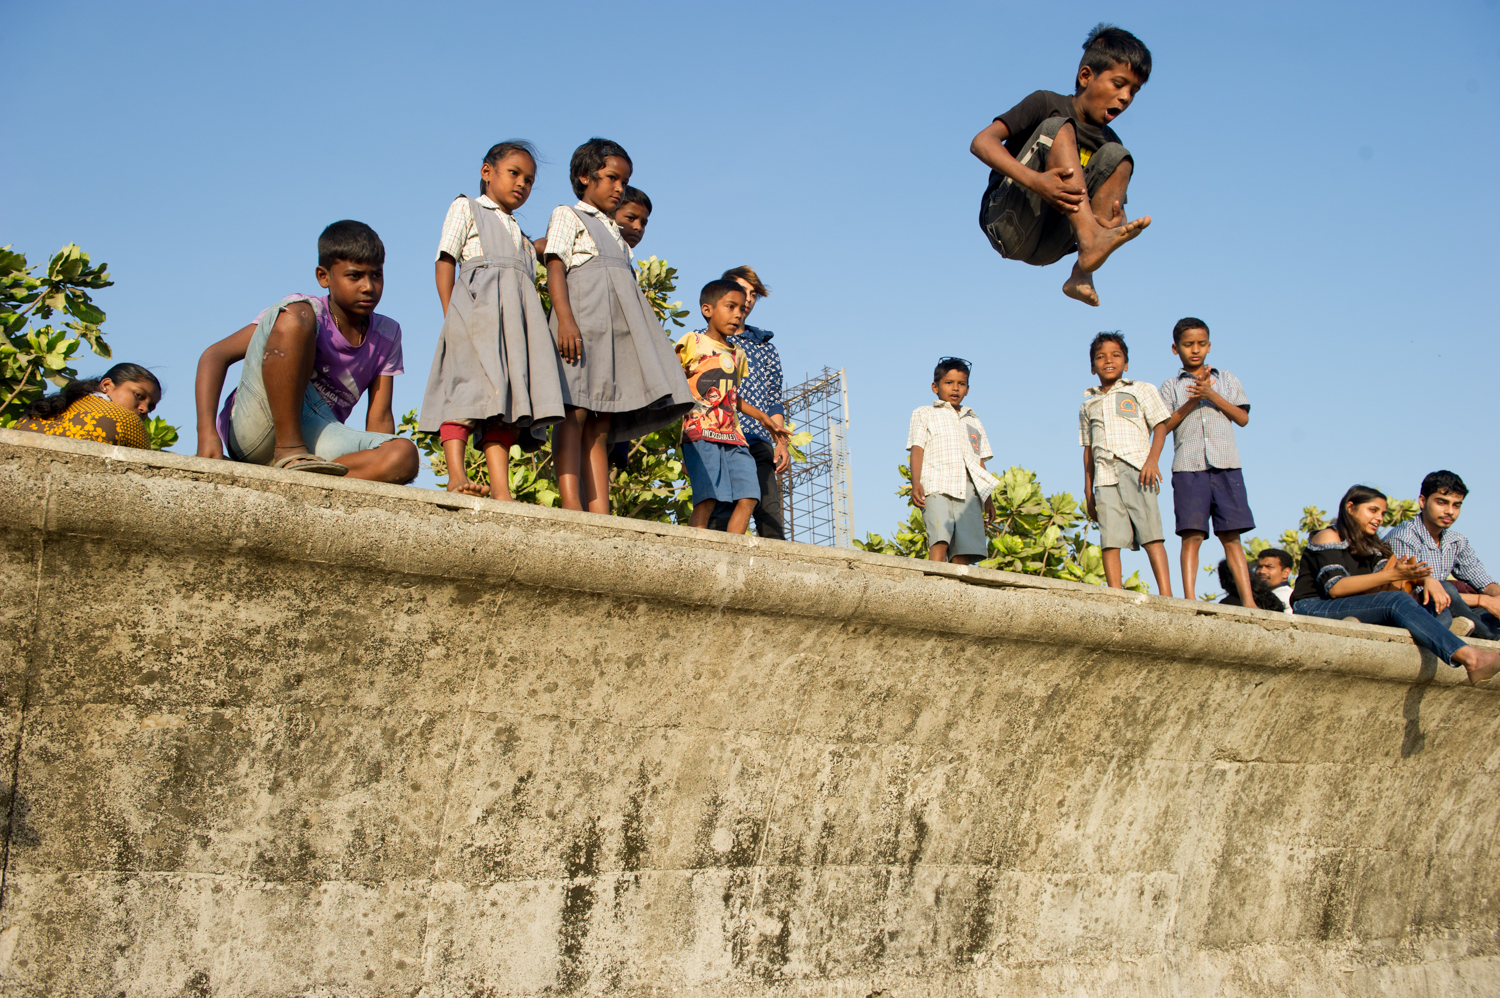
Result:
pixel 1348 572
pixel 107 410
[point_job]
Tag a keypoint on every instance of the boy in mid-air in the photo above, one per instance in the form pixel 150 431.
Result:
pixel 1122 426
pixel 1058 172
pixel 949 483
pixel 307 362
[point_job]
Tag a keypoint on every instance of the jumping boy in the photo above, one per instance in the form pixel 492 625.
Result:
pixel 949 483
pixel 1122 427
pixel 307 362
pixel 1207 483
pixel 714 450
pixel 1036 207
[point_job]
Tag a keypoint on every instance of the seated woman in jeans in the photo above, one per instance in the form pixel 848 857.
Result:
pixel 1347 571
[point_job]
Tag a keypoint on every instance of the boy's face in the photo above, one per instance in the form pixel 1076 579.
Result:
pixel 1192 348
pixel 354 287
pixel 508 182
pixel 952 387
pixel 1109 363
pixel 1442 509
pixel 632 219
pixel 1103 97
pixel 604 189
pixel 1271 571
pixel 750 295
pixel 727 315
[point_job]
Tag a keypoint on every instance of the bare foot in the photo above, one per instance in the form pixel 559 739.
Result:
pixel 1103 242
pixel 1080 286
pixel 501 493
pixel 466 487
pixel 1481 665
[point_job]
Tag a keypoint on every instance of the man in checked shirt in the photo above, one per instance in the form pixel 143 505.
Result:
pixel 1431 538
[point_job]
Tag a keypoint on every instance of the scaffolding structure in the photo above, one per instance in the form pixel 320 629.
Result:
pixel 816 495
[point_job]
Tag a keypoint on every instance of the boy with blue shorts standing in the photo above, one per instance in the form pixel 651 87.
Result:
pixel 714 450
pixel 1207 483
pixel 949 483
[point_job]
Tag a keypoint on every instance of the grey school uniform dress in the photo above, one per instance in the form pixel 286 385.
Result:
pixel 629 369
pixel 496 357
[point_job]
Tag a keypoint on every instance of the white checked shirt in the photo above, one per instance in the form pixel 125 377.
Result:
pixel 953 445
pixel 461 236
pixel 570 242
pixel 1117 424
pixel 1453 554
pixel 1205 437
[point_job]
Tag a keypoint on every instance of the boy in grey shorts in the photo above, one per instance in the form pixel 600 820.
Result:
pixel 948 481
pixel 1122 427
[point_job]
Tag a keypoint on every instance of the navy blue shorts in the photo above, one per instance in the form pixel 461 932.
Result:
pixel 720 471
pixel 1217 493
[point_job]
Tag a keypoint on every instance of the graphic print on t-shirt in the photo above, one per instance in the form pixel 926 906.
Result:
pixel 714 377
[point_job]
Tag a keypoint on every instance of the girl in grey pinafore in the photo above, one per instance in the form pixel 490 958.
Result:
pixel 628 368
pixel 496 357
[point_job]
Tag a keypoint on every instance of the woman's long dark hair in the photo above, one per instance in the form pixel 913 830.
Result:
pixel 52 406
pixel 1361 545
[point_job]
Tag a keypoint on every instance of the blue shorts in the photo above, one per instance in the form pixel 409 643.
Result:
pixel 1218 493
pixel 725 472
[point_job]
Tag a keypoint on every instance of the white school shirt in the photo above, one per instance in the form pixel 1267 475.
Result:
pixel 953 444
pixel 569 240
pixel 460 238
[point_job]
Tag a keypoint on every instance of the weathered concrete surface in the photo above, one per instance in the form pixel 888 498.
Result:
pixel 270 734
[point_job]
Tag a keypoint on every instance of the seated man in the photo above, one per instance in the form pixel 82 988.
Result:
pixel 1259 591
pixel 1274 566
pixel 1430 538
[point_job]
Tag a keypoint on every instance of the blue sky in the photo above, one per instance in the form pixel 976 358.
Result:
pixel 1317 175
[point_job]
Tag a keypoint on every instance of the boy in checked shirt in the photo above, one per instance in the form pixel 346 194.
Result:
pixel 1122 426
pixel 948 481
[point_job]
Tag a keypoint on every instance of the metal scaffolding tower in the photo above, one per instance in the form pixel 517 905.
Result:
pixel 817 497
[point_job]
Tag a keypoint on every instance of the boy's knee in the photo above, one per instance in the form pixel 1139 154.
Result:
pixel 402 460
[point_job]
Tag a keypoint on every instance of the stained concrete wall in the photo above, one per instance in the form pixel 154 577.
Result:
pixel 268 734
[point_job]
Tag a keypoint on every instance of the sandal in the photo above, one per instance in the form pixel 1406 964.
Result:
pixel 309 463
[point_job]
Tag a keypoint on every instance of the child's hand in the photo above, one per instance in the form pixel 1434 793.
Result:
pixel 918 497
pixel 781 457
pixel 1059 189
pixel 1150 476
pixel 569 340
pixel 989 510
pixel 209 445
pixel 1093 513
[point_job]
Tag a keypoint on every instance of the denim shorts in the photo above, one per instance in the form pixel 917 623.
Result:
pixel 958 522
pixel 725 472
pixel 1218 493
pixel 252 435
pixel 1018 224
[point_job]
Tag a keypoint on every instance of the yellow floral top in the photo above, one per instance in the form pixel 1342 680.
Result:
pixel 93 418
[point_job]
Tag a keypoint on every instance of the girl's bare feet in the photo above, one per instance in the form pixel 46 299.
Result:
pixel 1080 286
pixel 465 487
pixel 1095 244
pixel 1481 665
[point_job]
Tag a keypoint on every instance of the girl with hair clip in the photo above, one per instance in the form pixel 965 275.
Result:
pixel 496 375
pixel 1348 572
pixel 106 409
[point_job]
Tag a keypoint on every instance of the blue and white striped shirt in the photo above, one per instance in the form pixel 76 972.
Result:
pixel 1452 554
pixel 762 386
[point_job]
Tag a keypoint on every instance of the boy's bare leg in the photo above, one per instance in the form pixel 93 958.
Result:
pixel 458 475
pixel 285 369
pixel 394 461
pixel 963 559
pixel 938 551
pixel 1156 551
pixel 739 520
pixel 1235 555
pixel 702 513
pixel 1096 239
pixel 1191 542
pixel 567 450
pixel 1112 574
pixel 596 462
pixel 497 461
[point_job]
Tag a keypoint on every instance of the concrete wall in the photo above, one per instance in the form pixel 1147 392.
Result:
pixel 269 734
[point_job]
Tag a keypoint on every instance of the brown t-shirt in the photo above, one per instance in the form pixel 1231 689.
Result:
pixel 1023 119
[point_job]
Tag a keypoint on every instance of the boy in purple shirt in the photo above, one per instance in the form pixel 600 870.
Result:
pixel 307 362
